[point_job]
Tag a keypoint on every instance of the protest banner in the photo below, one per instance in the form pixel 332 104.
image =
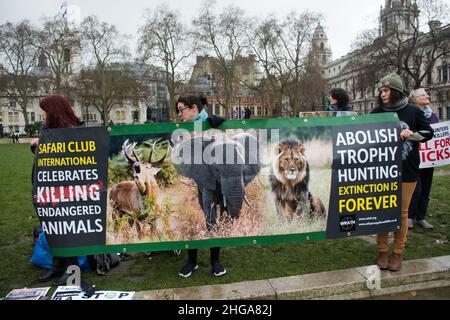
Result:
pixel 436 152
pixel 179 186
pixel 74 293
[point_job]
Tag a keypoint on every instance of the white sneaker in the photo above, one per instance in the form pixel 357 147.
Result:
pixel 410 224
pixel 424 224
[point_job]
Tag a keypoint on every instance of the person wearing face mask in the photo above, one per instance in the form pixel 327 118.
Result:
pixel 415 128
pixel 421 197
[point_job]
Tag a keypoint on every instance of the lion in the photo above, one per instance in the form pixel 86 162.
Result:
pixel 290 179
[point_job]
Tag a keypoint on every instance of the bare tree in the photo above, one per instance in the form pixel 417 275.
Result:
pixel 110 87
pixel 282 49
pixel 19 57
pixel 60 43
pixel 103 82
pixel 169 43
pixel 223 36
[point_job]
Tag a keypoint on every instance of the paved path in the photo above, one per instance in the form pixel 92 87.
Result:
pixel 428 294
pixel 9 141
pixel 355 283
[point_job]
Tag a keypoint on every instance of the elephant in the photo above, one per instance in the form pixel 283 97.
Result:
pixel 222 171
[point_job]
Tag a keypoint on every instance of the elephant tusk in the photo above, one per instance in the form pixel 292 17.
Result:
pixel 247 200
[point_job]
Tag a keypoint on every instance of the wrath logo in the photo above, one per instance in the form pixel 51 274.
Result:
pixel 347 223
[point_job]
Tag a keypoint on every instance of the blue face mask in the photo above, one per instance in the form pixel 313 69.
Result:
pixel 202 116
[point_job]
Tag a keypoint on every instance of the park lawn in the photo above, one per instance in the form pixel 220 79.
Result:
pixel 17 220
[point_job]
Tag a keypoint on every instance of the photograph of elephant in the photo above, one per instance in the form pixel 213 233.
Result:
pixel 217 185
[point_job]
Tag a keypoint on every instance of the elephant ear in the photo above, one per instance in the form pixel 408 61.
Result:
pixel 187 157
pixel 251 152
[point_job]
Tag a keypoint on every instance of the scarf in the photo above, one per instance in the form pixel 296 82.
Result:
pixel 202 116
pixel 428 112
pixel 332 108
pixel 399 106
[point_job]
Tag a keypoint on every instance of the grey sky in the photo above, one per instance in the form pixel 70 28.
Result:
pixel 343 19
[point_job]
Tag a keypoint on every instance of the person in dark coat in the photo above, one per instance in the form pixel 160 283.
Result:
pixel 339 100
pixel 421 197
pixel 415 128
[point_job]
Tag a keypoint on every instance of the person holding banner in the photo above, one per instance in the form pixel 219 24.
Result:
pixel 421 197
pixel 189 109
pixel 415 128
pixel 57 114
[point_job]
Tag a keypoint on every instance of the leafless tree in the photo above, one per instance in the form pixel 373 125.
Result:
pixel 18 56
pixel 60 43
pixel 223 36
pixel 105 89
pixel 105 82
pixel 167 42
pixel 282 49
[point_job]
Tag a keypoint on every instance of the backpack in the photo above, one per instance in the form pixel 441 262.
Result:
pixel 102 263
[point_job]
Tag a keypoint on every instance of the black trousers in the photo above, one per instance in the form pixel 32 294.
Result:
pixel 63 262
pixel 192 255
pixel 421 197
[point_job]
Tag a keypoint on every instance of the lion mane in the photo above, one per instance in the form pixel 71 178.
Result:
pixel 290 182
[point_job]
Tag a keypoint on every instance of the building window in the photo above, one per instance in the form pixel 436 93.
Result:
pixel 448 113
pixel 13 117
pixel 217 109
pixel 91 117
pixel 441 113
pixel 445 74
pixel 136 116
pixel 12 104
pixel 120 115
pixel 33 117
pixel 66 55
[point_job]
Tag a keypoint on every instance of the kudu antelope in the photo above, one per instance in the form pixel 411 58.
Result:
pixel 127 197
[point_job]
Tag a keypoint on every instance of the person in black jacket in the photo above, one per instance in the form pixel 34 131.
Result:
pixel 192 108
pixel 415 128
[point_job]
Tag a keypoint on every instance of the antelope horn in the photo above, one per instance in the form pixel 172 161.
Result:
pixel 126 146
pixel 151 152
pixel 125 151
pixel 160 162
pixel 134 153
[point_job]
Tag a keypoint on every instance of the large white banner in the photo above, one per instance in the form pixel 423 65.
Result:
pixel 436 152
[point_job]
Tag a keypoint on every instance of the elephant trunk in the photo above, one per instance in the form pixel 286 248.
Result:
pixel 234 192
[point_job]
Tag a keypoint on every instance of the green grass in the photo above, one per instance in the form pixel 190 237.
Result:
pixel 17 220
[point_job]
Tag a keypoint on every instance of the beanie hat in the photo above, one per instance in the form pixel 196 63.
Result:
pixel 392 81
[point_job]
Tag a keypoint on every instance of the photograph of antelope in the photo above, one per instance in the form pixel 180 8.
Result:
pixel 156 195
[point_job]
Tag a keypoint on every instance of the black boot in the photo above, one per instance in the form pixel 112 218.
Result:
pixel 50 274
pixel 62 281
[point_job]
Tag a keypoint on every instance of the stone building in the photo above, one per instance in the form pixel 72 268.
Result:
pixel 397 18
